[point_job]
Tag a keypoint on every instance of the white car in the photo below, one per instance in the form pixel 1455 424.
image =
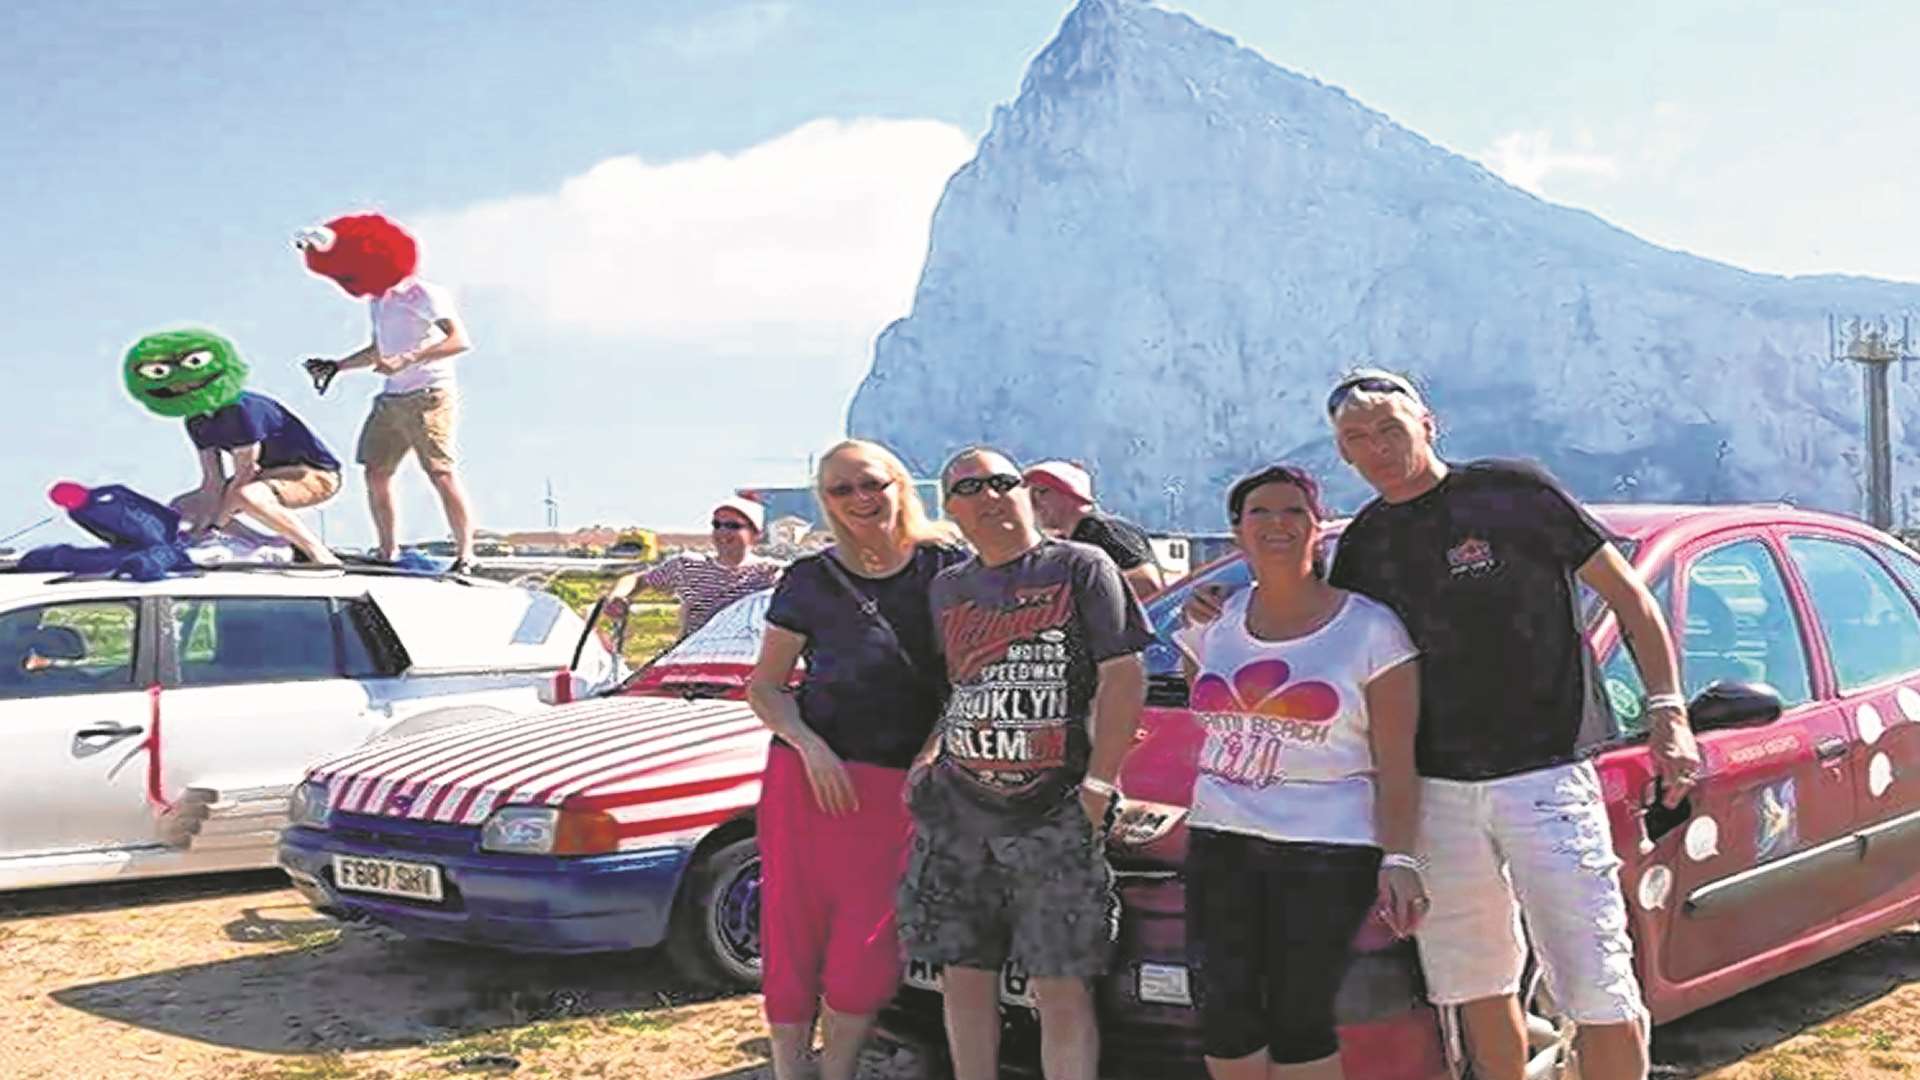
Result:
pixel 156 728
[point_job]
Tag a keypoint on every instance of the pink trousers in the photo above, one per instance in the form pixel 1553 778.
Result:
pixel 827 891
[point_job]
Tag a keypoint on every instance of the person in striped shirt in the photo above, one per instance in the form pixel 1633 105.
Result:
pixel 706 583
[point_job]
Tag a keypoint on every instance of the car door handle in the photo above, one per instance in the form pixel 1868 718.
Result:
pixel 1831 748
pixel 108 731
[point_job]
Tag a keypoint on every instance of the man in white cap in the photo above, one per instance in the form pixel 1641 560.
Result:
pixel 704 584
pixel 1063 501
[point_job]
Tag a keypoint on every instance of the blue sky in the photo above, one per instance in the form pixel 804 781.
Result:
pixel 676 226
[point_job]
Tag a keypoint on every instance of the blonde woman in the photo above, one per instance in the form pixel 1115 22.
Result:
pixel 833 826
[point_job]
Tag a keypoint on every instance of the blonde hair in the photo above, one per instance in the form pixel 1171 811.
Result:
pixel 911 525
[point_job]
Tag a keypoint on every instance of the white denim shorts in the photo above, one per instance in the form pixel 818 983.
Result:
pixel 1536 845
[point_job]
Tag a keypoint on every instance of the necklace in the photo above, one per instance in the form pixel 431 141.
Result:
pixel 879 563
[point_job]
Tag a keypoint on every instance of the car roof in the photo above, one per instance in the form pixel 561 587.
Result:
pixel 275 579
pixel 1669 526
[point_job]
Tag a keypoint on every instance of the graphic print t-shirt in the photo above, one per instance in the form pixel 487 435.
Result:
pixel 1289 754
pixel 1022 644
pixel 1481 570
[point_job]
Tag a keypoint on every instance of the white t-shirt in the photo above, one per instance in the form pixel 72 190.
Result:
pixel 1288 755
pixel 403 321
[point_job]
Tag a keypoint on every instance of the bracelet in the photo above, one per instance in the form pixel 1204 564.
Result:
pixel 1100 787
pixel 1399 860
pixel 1666 701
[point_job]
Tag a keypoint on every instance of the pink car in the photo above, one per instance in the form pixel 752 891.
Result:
pixel 1798 636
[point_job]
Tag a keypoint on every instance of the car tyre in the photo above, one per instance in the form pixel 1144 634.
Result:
pixel 715 936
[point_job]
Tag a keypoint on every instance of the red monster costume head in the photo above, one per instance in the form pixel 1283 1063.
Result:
pixel 365 254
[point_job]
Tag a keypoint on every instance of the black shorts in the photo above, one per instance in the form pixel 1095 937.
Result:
pixel 1270 928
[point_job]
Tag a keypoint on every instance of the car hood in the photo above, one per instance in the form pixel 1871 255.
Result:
pixel 659 765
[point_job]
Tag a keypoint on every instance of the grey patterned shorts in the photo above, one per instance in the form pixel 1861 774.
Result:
pixel 1042 898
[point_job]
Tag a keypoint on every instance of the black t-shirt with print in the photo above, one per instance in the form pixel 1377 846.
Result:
pixel 858 693
pixel 1022 643
pixel 1126 542
pixel 1481 569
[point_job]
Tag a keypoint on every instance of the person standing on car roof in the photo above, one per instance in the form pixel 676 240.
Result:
pixel 1063 502
pixel 705 584
pixel 416 335
pixel 1012 802
pixel 833 829
pixel 1308 694
pixel 1481 561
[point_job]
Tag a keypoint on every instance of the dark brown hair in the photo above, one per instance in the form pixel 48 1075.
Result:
pixel 1291 475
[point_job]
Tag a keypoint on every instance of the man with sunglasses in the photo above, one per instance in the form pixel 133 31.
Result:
pixel 706 584
pixel 1482 562
pixel 1041 641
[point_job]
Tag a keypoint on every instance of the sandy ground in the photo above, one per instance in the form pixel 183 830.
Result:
pixel 236 977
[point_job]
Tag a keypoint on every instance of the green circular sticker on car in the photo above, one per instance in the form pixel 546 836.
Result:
pixel 1626 703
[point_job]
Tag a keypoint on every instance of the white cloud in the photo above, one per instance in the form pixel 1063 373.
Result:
pixel 1526 159
pixel 809 242
pixel 725 32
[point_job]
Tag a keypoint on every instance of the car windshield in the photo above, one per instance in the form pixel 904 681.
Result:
pixel 731 637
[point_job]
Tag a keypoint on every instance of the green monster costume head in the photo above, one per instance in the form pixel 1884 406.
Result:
pixel 184 373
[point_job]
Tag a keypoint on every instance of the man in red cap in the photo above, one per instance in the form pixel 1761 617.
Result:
pixel 1063 501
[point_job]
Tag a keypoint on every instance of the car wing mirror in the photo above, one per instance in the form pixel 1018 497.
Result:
pixel 1732 704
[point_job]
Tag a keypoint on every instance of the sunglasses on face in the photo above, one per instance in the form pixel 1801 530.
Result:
pixel 729 525
pixel 974 485
pixel 1372 384
pixel 864 487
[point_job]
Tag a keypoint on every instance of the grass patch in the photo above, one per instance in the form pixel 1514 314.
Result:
pixel 1882 1040
pixel 312 940
pixel 328 1066
pixel 1881 1061
pixel 515 1041
pixel 653 622
pixel 1780 1066
pixel 1838 1031
pixel 640 1023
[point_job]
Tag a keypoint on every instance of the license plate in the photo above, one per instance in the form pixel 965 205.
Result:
pixel 1015 987
pixel 415 881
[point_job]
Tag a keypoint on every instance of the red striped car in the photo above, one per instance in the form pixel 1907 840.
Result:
pixel 613 823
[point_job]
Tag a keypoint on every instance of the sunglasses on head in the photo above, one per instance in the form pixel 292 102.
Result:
pixel 864 487
pixel 729 525
pixel 974 485
pixel 1372 384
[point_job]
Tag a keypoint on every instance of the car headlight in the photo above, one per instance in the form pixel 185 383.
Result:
pixel 527 830
pixel 548 830
pixel 308 806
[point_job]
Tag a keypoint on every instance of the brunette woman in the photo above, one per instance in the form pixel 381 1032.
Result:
pixel 1309 695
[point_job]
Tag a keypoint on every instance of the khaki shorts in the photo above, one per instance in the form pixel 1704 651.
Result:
pixel 419 422
pixel 300 486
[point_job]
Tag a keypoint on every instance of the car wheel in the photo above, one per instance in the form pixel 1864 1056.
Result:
pixel 715 937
